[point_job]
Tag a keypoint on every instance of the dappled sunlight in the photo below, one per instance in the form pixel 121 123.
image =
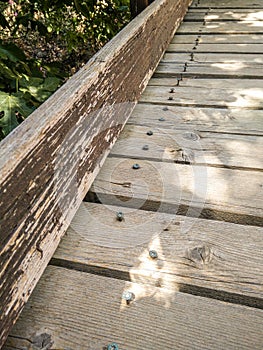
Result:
pixel 247 98
pixel 255 16
pixel 149 271
pixel 230 65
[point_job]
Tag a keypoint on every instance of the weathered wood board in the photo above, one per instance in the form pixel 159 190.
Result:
pixel 220 38
pixel 231 121
pixel 210 192
pixel 87 312
pixel 216 70
pixel 204 92
pixel 218 48
pixel 237 4
pixel 173 57
pixel 211 149
pixel 213 15
pixel 217 256
pixel 242 27
pixel 62 146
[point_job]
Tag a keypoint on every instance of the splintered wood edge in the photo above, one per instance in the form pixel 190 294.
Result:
pixel 49 162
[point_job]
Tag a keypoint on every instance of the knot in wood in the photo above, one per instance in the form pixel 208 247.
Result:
pixel 200 255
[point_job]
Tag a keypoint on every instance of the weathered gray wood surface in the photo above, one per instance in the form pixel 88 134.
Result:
pixel 182 189
pixel 211 149
pixel 220 38
pixel 85 311
pixel 219 256
pixel 237 4
pixel 244 27
pixel 214 15
pixel 218 48
pixel 229 121
pixel 49 162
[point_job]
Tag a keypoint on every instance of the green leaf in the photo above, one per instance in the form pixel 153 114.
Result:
pixel 51 84
pixel 11 52
pixel 9 106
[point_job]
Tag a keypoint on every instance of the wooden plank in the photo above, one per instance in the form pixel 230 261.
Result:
pixel 218 48
pixel 97 240
pixel 224 70
pixel 174 188
pixel 213 149
pixel 244 27
pixel 226 15
pixel 225 93
pixel 49 162
pixel 228 4
pixel 93 315
pixel 212 57
pixel 237 121
pixel 219 38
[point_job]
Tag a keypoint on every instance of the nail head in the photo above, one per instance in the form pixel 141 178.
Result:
pixel 161 119
pixel 145 148
pixel 120 216
pixel 128 296
pixel 113 346
pixel 149 133
pixel 153 254
pixel 136 166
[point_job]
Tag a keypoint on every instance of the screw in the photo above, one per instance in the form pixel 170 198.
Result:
pixel 153 254
pixel 204 23
pixel 145 148
pixel 192 56
pixel 165 109
pixel 194 48
pixel 120 216
pixel 136 166
pixel 161 119
pixel 185 68
pixel 128 296
pixel 170 98
pixel 149 133
pixel 113 346
pixel 196 40
pixel 171 90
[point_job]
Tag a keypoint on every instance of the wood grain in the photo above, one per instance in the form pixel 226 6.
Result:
pixel 87 312
pixel 237 4
pixel 48 163
pixel 214 15
pixel 217 47
pixel 220 38
pixel 243 27
pixel 173 57
pixel 209 192
pixel 212 149
pixel 224 70
pixel 218 256
pixel 237 121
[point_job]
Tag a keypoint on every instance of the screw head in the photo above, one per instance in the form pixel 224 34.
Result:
pixel 120 216
pixel 145 148
pixel 153 254
pixel 171 90
pixel 128 296
pixel 170 98
pixel 149 133
pixel 113 346
pixel 165 109
pixel 161 119
pixel 136 166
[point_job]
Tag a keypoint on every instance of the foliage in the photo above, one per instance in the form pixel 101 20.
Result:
pixel 40 43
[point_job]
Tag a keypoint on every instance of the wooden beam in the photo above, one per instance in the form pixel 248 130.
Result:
pixel 49 162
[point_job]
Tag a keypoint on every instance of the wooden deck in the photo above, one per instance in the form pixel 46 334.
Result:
pixel 186 174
